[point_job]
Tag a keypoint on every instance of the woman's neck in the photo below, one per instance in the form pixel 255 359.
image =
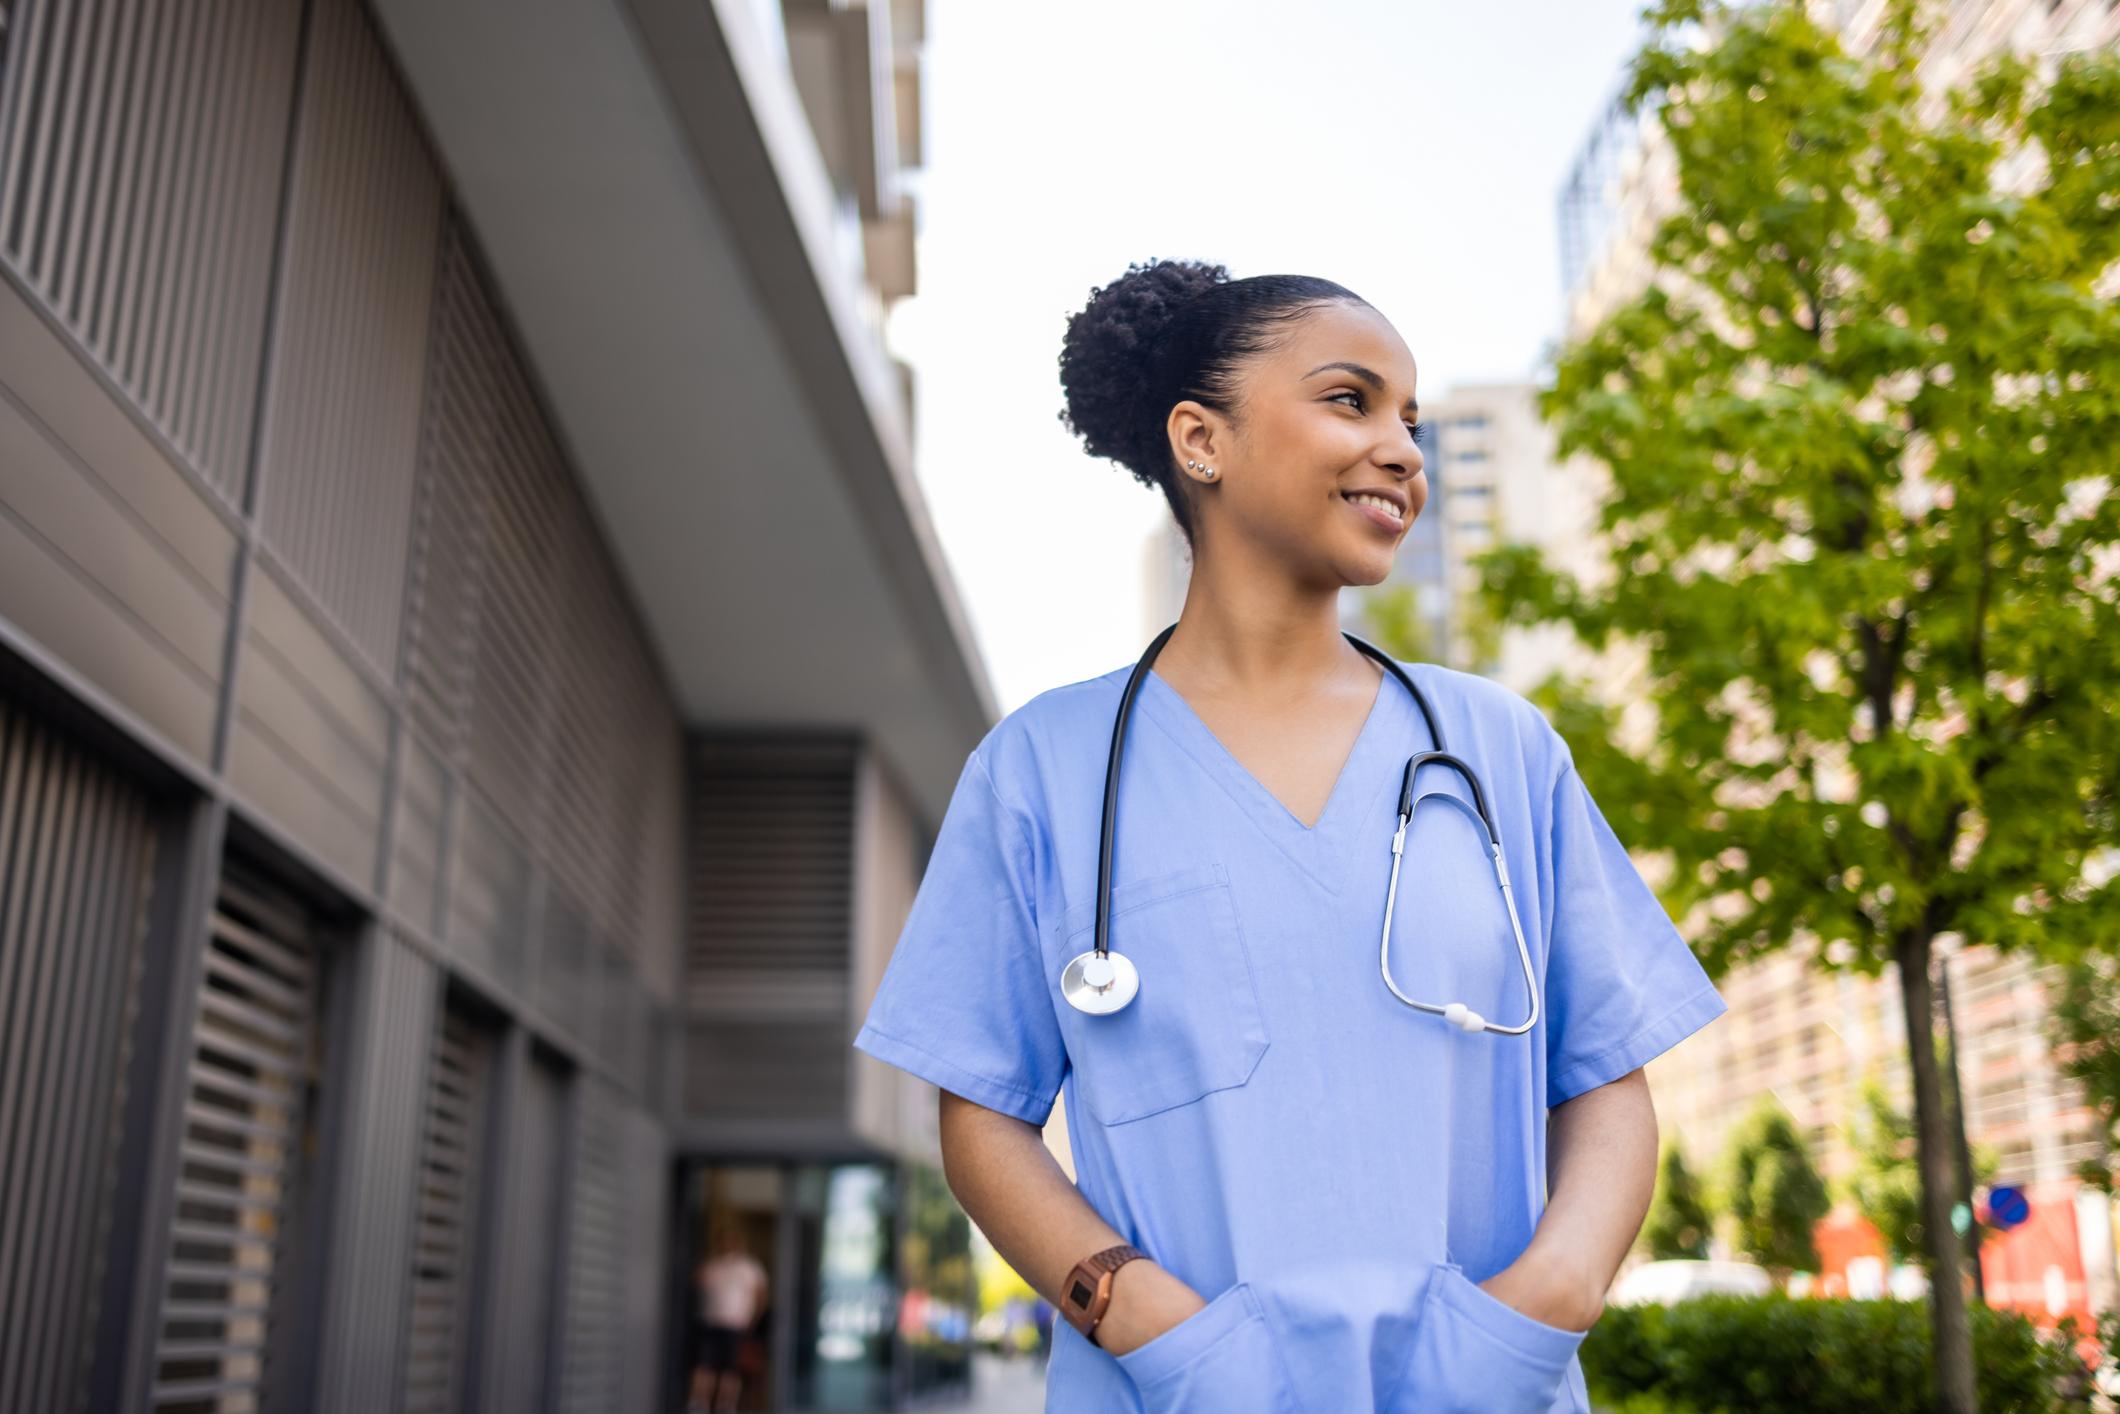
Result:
pixel 1255 636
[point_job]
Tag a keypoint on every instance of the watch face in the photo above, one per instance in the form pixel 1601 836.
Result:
pixel 1080 1295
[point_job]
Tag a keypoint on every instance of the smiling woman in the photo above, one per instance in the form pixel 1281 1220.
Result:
pixel 1176 355
pixel 1292 1191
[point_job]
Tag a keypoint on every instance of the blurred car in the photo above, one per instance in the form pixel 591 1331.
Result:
pixel 1664 1282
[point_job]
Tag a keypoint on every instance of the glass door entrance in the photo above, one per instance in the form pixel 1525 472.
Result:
pixel 822 1286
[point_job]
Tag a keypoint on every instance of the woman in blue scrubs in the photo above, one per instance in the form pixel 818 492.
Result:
pixel 1343 1203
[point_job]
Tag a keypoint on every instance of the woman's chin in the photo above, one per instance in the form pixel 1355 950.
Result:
pixel 1363 571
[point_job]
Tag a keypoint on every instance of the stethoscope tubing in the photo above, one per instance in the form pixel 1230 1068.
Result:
pixel 1455 1012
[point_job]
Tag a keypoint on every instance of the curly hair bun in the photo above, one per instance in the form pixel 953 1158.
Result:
pixel 1106 359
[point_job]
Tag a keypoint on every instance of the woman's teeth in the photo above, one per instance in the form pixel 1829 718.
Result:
pixel 1380 503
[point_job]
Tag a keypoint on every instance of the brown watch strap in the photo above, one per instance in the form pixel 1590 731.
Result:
pixel 1088 1288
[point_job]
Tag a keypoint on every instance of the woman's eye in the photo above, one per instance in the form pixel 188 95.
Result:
pixel 1418 429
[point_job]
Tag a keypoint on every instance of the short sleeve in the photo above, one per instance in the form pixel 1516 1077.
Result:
pixel 963 1001
pixel 1622 987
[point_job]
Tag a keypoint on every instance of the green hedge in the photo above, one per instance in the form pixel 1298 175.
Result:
pixel 1763 1354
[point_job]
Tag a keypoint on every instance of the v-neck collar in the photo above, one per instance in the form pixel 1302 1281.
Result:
pixel 1322 849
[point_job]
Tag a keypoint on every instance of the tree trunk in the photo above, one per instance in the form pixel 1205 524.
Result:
pixel 1961 1151
pixel 1950 1328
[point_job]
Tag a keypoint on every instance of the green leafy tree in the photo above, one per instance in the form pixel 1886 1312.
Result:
pixel 1775 1193
pixel 1862 430
pixel 1392 619
pixel 1677 1225
pixel 1886 1184
pixel 2085 1029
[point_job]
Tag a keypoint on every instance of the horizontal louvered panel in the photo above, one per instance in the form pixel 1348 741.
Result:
pixel 779 1070
pixel 253 1052
pixel 207 1195
pixel 589 1356
pixel 627 1037
pixel 525 655
pixel 770 857
pixel 438 1334
pixel 416 837
pixel 188 1311
pixel 489 892
pixel 225 1168
pixel 565 945
pixel 762 992
pixel 448 539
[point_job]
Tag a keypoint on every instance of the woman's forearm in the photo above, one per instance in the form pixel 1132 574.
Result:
pixel 1008 1182
pixel 1601 1172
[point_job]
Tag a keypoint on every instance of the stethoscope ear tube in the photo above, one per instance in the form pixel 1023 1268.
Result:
pixel 1111 791
pixel 1100 981
pixel 1465 773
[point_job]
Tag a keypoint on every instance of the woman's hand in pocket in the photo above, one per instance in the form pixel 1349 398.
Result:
pixel 1146 1301
pixel 1547 1287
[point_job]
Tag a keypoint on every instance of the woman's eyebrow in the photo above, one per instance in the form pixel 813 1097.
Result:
pixel 1368 376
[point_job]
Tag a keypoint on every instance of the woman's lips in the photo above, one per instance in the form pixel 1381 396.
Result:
pixel 1377 516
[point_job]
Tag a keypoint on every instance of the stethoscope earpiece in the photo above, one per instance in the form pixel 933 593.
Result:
pixel 1101 981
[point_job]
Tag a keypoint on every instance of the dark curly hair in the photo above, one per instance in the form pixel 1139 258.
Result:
pixel 1166 331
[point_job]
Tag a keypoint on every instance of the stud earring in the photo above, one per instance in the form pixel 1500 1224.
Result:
pixel 1207 473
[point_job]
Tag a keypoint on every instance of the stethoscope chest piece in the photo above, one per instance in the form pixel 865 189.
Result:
pixel 1099 983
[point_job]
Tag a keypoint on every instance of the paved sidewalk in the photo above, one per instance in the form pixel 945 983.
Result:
pixel 1003 1386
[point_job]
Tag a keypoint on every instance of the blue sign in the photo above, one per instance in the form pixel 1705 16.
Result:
pixel 2008 1207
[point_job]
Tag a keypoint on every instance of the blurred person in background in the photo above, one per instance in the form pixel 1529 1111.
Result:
pixel 732 1288
pixel 1294 1189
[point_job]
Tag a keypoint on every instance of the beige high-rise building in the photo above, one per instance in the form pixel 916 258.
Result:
pixel 1492 480
pixel 1803 1035
pixel 1625 179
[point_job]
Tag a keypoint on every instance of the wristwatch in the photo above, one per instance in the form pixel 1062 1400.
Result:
pixel 1088 1288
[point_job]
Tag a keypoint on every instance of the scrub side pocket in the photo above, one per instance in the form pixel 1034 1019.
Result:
pixel 1196 1025
pixel 1473 1353
pixel 1221 1358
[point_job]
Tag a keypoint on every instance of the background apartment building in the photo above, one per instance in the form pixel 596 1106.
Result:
pixel 476 681
pixel 1807 1038
pixel 1492 480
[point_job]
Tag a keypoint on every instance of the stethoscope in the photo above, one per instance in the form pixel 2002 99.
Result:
pixel 1101 981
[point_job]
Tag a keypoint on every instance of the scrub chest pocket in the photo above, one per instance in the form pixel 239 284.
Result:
pixel 1196 1026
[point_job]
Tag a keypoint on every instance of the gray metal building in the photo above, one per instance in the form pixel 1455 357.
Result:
pixel 475 678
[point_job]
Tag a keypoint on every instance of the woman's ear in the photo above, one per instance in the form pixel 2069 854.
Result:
pixel 1197 434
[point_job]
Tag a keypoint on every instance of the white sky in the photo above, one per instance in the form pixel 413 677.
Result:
pixel 1412 151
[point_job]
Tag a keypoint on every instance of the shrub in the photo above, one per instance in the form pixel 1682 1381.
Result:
pixel 1768 1354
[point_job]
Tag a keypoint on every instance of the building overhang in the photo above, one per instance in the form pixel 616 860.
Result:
pixel 642 181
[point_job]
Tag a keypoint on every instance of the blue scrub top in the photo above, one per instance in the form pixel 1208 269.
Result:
pixel 1333 1170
